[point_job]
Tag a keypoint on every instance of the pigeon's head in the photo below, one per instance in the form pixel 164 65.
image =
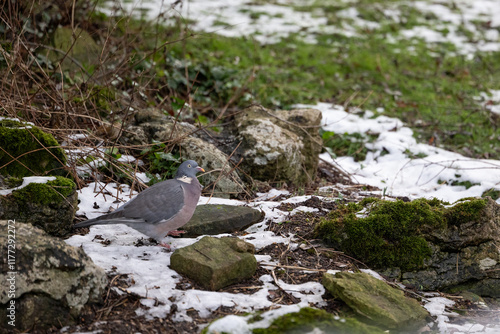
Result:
pixel 188 168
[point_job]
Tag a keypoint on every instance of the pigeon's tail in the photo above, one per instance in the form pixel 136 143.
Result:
pixel 103 220
pixel 110 218
pixel 89 222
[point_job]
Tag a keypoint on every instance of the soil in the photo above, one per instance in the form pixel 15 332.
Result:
pixel 118 312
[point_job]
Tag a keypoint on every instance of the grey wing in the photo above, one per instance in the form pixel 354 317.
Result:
pixel 161 201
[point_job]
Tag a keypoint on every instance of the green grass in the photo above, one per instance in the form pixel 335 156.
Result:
pixel 428 86
pixel 431 88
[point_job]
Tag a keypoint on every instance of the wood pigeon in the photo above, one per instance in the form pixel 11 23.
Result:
pixel 160 209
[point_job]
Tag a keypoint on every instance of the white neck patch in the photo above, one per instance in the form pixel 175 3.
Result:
pixel 185 179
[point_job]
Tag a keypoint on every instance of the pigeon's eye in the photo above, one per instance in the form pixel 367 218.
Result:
pixel 189 166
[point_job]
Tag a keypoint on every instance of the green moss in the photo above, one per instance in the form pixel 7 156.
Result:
pixel 45 193
pixel 392 234
pixel 13 182
pixel 307 319
pixel 18 139
pixel 465 211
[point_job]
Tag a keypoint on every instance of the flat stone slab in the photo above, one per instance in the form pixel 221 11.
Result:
pixel 376 300
pixel 213 219
pixel 215 262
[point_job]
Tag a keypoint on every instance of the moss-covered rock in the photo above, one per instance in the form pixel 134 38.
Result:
pixel 27 150
pixel 309 320
pixel 50 205
pixel 390 234
pixel 425 243
pixel 376 300
pixel 78 44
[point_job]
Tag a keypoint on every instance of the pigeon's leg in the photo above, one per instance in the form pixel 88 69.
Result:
pixel 162 244
pixel 176 233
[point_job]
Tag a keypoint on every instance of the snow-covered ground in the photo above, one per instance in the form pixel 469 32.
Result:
pixel 393 172
pixel 400 175
pixel 444 20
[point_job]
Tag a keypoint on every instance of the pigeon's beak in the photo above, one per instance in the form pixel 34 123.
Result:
pixel 200 169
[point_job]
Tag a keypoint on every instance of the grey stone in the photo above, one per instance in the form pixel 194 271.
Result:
pixel 465 256
pixel 222 181
pixel 376 300
pixel 215 262
pixel 53 281
pixel 213 219
pixel 281 145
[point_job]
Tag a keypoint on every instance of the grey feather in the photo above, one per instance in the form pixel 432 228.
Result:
pixel 163 207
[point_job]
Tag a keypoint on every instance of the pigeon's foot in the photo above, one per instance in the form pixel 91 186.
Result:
pixel 176 233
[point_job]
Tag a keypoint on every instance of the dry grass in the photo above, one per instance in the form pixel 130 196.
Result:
pixel 96 99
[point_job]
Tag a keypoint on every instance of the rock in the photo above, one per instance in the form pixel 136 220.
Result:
pixel 213 219
pixel 376 300
pixel 83 50
pixel 473 298
pixel 465 255
pixel 281 145
pixel 312 320
pixel 423 243
pixel 36 152
pixel 222 182
pixel 52 280
pixel 215 262
pixel 50 205
pixel 152 125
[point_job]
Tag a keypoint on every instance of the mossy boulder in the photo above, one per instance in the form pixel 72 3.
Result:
pixel 388 234
pixel 27 150
pixel 305 320
pixel 426 243
pixel 81 48
pixel 50 205
pixel 311 320
pixel 376 300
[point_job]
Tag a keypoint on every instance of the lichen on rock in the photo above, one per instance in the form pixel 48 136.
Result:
pixel 53 280
pixel 280 145
pixel 376 300
pixel 152 125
